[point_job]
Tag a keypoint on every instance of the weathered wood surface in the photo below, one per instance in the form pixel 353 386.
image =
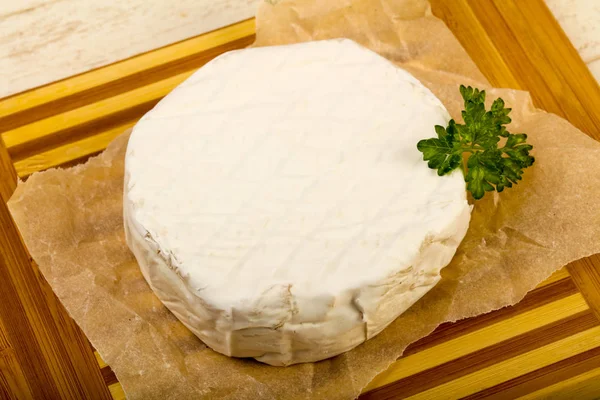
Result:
pixel 42 41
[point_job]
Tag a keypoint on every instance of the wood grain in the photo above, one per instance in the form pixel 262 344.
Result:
pixel 487 357
pixel 45 348
pixel 71 152
pixel 8 175
pixel 535 305
pixel 42 41
pixel 555 384
pixel 506 331
pixel 12 376
pixel 512 368
pixel 557 64
pixel 117 392
pixel 586 275
pixel 474 37
pixel 564 371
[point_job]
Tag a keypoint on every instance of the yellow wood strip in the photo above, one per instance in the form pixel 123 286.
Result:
pixel 459 17
pixel 514 56
pixel 88 80
pixel 473 341
pixel 116 390
pixel 50 126
pixel 514 367
pixel 69 152
pixel 557 276
pixel 101 362
pixel 8 175
pixel 542 54
pixel 565 60
pixel 581 387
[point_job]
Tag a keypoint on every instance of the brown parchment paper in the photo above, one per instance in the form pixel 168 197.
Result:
pixel 71 222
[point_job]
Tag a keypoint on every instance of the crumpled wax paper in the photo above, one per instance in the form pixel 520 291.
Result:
pixel 71 222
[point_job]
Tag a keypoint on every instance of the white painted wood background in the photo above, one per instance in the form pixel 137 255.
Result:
pixel 42 41
pixel 580 19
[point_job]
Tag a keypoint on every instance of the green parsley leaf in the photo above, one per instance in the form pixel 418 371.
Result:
pixel 439 152
pixel 489 167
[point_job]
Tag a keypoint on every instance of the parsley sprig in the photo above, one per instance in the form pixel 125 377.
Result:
pixel 489 166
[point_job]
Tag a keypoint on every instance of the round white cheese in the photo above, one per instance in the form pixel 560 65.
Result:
pixel 278 206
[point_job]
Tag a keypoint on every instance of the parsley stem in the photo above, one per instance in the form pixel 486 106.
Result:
pixel 471 149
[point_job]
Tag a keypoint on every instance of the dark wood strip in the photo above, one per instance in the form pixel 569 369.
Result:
pixel 109 376
pixel 486 357
pixel 543 377
pixel 122 85
pixel 536 298
pixel 87 129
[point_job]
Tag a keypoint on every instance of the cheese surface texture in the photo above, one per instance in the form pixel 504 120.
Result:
pixel 278 206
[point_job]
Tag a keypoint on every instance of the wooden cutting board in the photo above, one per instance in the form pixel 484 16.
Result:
pixel 547 346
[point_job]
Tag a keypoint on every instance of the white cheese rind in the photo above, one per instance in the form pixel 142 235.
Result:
pixel 277 204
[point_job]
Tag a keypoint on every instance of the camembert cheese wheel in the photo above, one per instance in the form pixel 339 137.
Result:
pixel 277 204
